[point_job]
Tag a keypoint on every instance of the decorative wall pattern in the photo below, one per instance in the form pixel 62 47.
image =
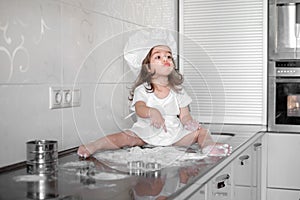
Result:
pixel 67 43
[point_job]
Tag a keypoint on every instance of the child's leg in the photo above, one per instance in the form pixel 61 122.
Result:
pixel 113 141
pixel 204 138
pixel 205 141
pixel 201 136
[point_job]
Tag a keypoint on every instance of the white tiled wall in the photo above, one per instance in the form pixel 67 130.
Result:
pixel 68 43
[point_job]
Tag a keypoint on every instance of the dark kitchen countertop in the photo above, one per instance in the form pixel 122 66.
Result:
pixel 81 182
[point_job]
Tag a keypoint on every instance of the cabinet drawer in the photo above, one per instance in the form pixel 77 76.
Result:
pixel 279 194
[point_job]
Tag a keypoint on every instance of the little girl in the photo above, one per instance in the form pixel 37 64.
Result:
pixel 161 107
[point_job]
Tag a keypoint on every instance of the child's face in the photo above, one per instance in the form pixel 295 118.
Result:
pixel 161 61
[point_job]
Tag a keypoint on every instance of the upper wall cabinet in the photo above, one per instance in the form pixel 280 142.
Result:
pixel 223 56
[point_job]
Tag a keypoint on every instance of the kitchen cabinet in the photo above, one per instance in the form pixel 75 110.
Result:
pixel 220 29
pixel 279 194
pixel 244 168
pixel 239 180
pixel 283 166
pixel 247 173
pixel 218 188
pixel 283 161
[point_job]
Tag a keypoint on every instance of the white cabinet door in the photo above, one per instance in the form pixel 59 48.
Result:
pixel 246 169
pixel 278 194
pixel 239 180
pixel 243 168
pixel 283 161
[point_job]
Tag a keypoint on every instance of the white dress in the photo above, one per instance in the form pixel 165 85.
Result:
pixel 169 108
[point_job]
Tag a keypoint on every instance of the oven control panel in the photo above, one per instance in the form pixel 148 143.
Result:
pixel 288 68
pixel 288 64
pixel 287 72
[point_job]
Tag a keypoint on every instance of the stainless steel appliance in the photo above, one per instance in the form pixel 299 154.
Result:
pixel 284 29
pixel 284 96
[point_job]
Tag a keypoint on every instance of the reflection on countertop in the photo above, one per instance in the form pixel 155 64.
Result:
pixel 95 179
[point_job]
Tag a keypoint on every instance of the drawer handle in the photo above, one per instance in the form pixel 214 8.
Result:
pixel 257 145
pixel 221 184
pixel 221 180
pixel 220 194
pixel 223 177
pixel 243 158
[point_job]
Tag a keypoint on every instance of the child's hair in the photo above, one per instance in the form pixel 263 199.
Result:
pixel 175 78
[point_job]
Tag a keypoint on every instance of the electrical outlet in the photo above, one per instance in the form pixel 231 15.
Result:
pixel 64 97
pixel 55 97
pixel 67 98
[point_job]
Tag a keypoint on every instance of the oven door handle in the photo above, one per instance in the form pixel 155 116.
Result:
pixel 287 80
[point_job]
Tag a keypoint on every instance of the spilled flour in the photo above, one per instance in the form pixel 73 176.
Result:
pixel 77 164
pixel 88 169
pixel 165 156
pixel 29 178
pixel 134 160
pixel 108 176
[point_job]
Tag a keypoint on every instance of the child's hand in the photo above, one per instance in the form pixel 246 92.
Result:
pixel 192 125
pixel 156 119
pixel 83 151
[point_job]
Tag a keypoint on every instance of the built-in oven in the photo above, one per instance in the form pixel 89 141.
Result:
pixel 284 96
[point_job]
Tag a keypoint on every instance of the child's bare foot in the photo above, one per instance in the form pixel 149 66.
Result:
pixel 85 150
pixel 218 149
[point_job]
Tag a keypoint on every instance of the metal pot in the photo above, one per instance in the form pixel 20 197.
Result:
pixel 42 157
pixel 41 145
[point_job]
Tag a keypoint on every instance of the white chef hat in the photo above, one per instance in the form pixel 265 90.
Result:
pixel 140 43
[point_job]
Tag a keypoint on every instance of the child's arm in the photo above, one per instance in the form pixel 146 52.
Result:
pixel 185 115
pixel 143 111
pixel 193 125
pixel 187 120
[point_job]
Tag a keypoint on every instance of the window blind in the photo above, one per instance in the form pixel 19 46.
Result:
pixel 222 54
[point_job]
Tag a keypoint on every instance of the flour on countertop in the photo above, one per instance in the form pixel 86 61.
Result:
pixel 165 156
pixel 109 176
pixel 29 178
pixel 87 169
pixel 151 159
pixel 77 164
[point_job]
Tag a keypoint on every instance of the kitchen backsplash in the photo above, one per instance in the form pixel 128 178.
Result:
pixel 68 44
